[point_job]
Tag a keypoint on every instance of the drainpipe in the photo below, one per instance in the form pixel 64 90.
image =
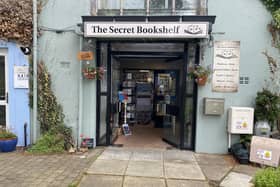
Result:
pixel 34 122
pixel 79 126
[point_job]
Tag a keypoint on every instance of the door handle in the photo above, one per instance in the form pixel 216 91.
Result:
pixel 7 97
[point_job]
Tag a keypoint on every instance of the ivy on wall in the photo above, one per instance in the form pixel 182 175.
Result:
pixel 273 6
pixel 50 113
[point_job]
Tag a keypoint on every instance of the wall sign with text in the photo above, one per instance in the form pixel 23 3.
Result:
pixel 21 77
pixel 146 30
pixel 226 66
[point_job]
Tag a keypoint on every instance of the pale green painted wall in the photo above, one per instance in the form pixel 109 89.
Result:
pixel 243 21
pixel 59 52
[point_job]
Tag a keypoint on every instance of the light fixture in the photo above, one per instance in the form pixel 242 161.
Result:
pixel 25 50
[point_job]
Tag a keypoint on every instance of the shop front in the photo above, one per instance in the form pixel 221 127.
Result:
pixel 148 59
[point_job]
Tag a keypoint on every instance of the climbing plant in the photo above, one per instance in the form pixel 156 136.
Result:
pixel 273 6
pixel 50 113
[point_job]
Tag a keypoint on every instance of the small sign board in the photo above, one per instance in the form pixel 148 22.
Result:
pixel 226 66
pixel 89 142
pixel 85 55
pixel 265 151
pixel 21 77
pixel 126 130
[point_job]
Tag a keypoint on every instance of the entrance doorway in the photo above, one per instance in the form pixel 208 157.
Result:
pixel 161 99
pixel 3 90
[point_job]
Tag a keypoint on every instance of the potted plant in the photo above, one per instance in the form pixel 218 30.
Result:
pixel 89 73
pixel 199 74
pixel 8 141
pixel 93 73
pixel 267 112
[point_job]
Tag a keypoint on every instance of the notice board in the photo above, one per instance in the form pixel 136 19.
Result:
pixel 226 66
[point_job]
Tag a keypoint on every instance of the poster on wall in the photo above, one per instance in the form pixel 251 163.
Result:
pixel 21 77
pixel 226 66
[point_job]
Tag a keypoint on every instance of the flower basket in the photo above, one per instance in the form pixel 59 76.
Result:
pixel 201 81
pixel 91 73
pixel 199 74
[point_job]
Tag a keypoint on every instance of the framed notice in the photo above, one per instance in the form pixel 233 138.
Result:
pixel 226 66
pixel 21 77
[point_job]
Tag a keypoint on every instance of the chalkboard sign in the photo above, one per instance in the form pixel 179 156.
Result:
pixel 126 130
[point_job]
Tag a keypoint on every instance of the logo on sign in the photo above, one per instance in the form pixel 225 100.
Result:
pixel 193 29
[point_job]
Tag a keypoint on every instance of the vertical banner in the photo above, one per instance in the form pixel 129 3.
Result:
pixel 21 77
pixel 226 66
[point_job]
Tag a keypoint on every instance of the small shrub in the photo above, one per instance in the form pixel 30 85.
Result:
pixel 5 134
pixel 48 143
pixel 269 177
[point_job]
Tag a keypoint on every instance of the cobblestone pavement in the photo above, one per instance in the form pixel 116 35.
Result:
pixel 19 169
pixel 126 167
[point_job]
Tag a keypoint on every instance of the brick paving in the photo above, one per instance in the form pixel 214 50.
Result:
pixel 21 169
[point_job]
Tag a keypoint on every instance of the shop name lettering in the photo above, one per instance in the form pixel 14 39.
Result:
pixel 138 29
pixel 191 29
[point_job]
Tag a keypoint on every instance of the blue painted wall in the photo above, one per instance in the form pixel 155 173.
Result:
pixel 18 98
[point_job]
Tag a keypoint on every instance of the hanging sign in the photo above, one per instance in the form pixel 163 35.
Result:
pixel 85 55
pixel 146 30
pixel 226 66
pixel 21 77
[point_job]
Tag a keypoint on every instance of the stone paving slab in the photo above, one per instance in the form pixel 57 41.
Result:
pixel 236 180
pixel 183 171
pixel 147 155
pixel 178 156
pixel 245 169
pixel 186 183
pixel 145 169
pixel 101 181
pixel 116 154
pixel 108 167
pixel 210 159
pixel 215 173
pixel 143 182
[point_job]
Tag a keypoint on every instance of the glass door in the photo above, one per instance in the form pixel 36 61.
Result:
pixel 114 101
pixel 3 91
pixel 107 96
pixel 167 105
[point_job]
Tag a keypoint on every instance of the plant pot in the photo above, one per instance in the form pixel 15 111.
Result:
pixel 89 75
pixel 8 145
pixel 201 81
pixel 262 128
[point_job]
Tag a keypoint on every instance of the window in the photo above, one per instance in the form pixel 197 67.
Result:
pixel 142 7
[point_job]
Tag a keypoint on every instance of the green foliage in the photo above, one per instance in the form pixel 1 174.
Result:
pixel 267 106
pixel 48 143
pixel 50 113
pixel 269 177
pixel 276 18
pixel 245 138
pixel 199 72
pixel 4 134
pixel 271 5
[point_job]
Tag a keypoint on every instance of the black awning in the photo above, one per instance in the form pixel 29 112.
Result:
pixel 210 19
